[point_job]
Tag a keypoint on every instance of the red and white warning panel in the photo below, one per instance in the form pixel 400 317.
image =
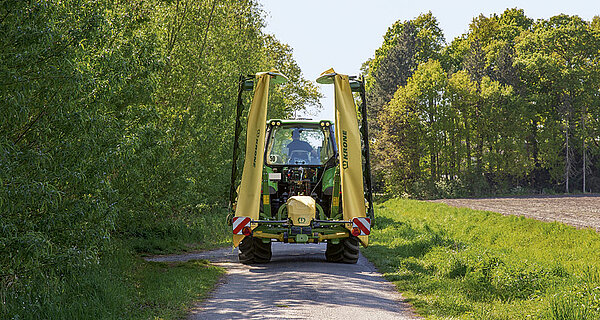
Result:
pixel 361 224
pixel 241 225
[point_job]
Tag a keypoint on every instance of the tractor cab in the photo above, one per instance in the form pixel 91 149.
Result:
pixel 300 159
pixel 299 143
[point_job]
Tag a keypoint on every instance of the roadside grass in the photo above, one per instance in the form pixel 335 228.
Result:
pixel 167 290
pixel 197 232
pixel 119 287
pixel 461 263
pixel 120 284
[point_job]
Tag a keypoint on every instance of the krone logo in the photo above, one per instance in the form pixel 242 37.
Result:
pixel 256 148
pixel 344 149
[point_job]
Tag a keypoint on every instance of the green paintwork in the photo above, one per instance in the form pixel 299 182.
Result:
pixel 321 213
pixel 272 184
pixel 331 178
pixel 301 238
pixel 328 176
pixel 324 229
pixel 266 196
pixel 282 209
pixel 248 85
pixel 299 121
pixel 335 196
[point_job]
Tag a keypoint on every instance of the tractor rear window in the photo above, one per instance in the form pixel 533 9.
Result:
pixel 295 145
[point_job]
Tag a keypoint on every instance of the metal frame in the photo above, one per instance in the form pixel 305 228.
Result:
pixel 246 83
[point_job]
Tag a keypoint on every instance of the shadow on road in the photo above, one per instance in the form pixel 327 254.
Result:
pixel 298 284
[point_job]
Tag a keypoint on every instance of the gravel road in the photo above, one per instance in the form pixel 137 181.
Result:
pixel 297 284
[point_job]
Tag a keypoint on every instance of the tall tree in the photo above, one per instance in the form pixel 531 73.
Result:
pixel 413 120
pixel 406 44
pixel 462 96
pixel 558 53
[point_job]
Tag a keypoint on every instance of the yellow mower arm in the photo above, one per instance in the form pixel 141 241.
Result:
pixel 347 137
pixel 248 201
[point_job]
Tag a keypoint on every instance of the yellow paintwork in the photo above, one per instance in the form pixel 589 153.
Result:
pixel 260 234
pixel 279 237
pixel 301 210
pixel 348 142
pixel 248 202
pixel 347 137
pixel 337 235
pixel 335 201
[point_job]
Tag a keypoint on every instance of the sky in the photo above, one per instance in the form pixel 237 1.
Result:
pixel 345 33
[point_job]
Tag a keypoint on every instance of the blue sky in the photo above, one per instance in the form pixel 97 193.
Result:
pixel 344 33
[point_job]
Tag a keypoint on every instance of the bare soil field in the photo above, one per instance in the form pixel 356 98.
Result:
pixel 582 211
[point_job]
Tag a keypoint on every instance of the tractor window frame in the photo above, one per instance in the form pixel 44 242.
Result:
pixel 326 145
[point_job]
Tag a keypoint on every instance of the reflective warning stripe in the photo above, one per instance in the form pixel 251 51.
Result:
pixel 363 224
pixel 239 223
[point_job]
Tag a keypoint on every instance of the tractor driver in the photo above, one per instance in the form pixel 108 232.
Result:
pixel 299 145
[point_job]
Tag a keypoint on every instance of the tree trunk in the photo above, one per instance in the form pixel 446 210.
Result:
pixel 583 115
pixel 468 142
pixel 567 157
pixel 454 164
pixel 534 144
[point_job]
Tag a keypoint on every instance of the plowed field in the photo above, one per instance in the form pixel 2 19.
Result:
pixel 581 211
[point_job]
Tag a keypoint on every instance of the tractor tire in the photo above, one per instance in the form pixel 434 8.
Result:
pixel 346 251
pixel 254 250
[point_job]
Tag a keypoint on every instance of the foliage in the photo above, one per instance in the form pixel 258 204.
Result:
pixel 518 107
pixel 466 264
pixel 116 121
pixel 406 44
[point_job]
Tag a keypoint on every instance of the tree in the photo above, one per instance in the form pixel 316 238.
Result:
pixel 462 96
pixel 520 107
pixel 406 44
pixel 558 54
pixel 414 127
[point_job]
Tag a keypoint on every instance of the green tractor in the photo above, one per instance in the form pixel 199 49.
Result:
pixel 295 178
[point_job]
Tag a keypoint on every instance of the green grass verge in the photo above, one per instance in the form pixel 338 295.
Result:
pixel 466 264
pixel 167 290
pixel 120 284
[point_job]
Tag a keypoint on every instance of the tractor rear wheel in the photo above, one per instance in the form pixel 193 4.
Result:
pixel 254 250
pixel 346 251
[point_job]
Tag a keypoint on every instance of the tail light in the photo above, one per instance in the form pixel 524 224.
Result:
pixel 247 231
pixel 362 225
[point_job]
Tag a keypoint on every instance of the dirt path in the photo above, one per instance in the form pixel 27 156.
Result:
pixel 297 284
pixel 577 210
